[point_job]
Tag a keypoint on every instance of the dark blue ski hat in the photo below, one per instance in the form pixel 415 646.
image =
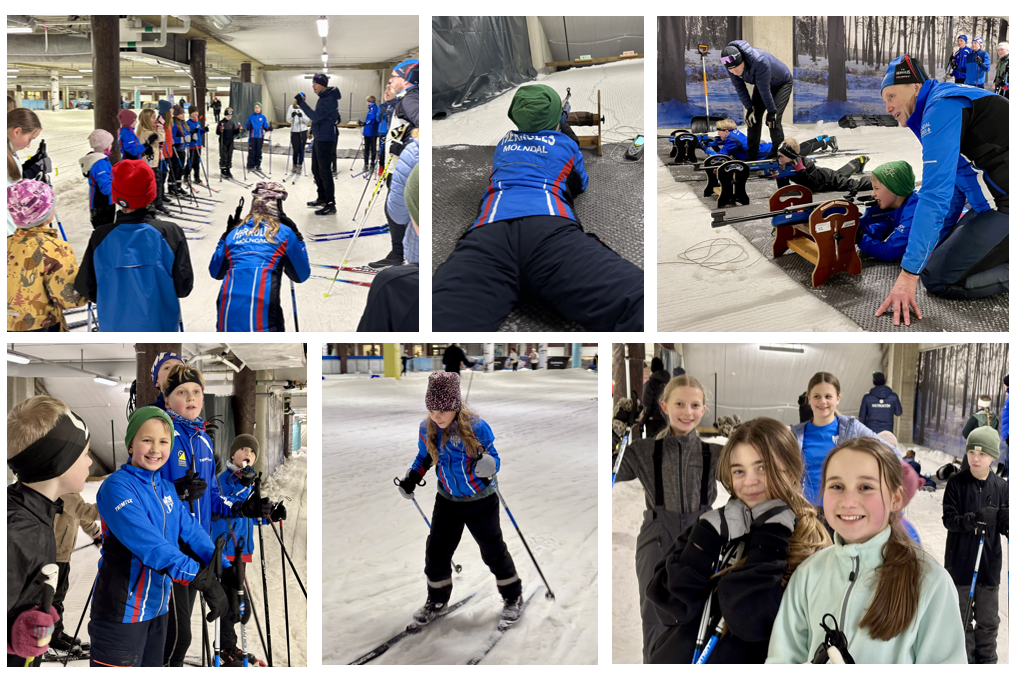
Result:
pixel 963 37
pixel 158 363
pixel 408 69
pixel 903 70
pixel 321 79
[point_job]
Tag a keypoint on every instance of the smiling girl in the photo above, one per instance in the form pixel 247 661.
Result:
pixel 677 471
pixel 893 602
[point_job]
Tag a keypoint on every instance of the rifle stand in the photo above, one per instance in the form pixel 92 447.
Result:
pixel 588 119
pixel 710 166
pixel 827 239
pixel 732 176
pixel 683 146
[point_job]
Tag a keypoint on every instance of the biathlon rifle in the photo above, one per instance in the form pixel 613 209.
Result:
pixel 566 108
pixel 718 218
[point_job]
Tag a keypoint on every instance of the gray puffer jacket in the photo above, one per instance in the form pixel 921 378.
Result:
pixel 682 471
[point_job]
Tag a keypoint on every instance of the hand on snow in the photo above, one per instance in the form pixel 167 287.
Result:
pixel 901 298
pixel 770 119
pixel 484 467
pixel 190 487
pixel 750 118
pixel 737 518
pixel 408 483
pixel 29 627
pixel 766 514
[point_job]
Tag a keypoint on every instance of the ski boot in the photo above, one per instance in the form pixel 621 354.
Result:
pixel 860 162
pixel 65 643
pixel 429 612
pixel 231 658
pixel 833 144
pixel 327 209
pixel 394 259
pixel 511 612
pixel 316 203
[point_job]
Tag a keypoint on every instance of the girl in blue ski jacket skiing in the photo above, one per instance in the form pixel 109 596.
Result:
pixel 130 147
pixel 179 178
pixel 142 566
pixel 460 445
pixel 250 260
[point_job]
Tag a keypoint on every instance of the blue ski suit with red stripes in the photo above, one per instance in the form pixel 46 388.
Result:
pixel 130 147
pixel 251 269
pixel 455 469
pixel 238 529
pixel 192 449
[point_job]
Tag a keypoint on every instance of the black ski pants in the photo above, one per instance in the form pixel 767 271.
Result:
pixel 254 152
pixel 226 152
pixel 382 149
pixel 973 261
pixel 103 215
pixel 298 141
pixel 396 230
pixel 323 157
pixel 178 629
pixel 981 642
pixel 128 645
pixel 780 94
pixel 824 180
pixel 195 163
pixel 64 573
pixel 482 520
pixel 369 150
pixel 551 258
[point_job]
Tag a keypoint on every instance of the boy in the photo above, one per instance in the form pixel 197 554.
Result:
pixel 975 508
pixel 180 138
pixel 957 65
pixel 97 169
pixel 256 125
pixel 161 368
pixel 136 297
pixel 978 63
pixel 733 143
pixel 77 513
pixel 982 418
pixel 884 228
pixel 228 131
pixel 820 179
pixel 47 448
pixel 527 241
pixel 197 132
pixel 143 522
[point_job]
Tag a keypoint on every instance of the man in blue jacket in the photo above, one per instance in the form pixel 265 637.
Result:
pixel 323 150
pixel 957 127
pixel 978 63
pixel 773 87
pixel 880 406
pixel 957 66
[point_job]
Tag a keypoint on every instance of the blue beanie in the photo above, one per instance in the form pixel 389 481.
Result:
pixel 408 69
pixel 903 70
pixel 963 37
pixel 978 39
pixel 160 359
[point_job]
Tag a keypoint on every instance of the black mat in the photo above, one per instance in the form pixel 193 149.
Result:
pixel 855 297
pixel 612 207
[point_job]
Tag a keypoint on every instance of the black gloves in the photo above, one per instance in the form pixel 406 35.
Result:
pixel 246 476
pixel 278 513
pixel 299 98
pixel 190 487
pixel 38 165
pixel 750 118
pixel 205 129
pixel 149 152
pixel 408 483
pixel 360 123
pixel 770 119
pixel 988 515
pixel 205 582
pixel 287 221
pixel 231 582
pixel 151 139
pixel 255 508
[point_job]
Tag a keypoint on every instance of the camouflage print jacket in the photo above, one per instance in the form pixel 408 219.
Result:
pixel 40 280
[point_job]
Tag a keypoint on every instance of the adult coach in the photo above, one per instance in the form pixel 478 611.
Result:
pixel 773 86
pixel 323 151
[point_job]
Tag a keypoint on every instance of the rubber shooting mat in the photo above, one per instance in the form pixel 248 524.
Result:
pixel 855 297
pixel 612 207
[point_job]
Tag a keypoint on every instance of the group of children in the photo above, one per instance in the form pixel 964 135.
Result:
pixel 159 513
pixel 809 560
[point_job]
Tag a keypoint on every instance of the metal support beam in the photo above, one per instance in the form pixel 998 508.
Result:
pixel 245 72
pixel 106 75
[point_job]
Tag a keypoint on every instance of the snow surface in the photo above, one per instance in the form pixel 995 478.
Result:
pixel 289 483
pixel 622 102
pixel 374 541
pixel 66 132
pixel 924 512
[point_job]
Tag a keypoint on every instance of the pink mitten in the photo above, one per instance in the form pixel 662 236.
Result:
pixel 798 164
pixel 29 627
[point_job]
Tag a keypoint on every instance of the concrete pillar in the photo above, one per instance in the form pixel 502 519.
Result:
pixel 490 357
pixel 391 360
pixel 145 355
pixel 54 90
pixel 774 34
pixel 540 54
pixel 245 72
pixel 198 75
pixel 244 401
pixel 636 368
pixel 618 372
pixel 287 425
pixel 900 375
pixel 106 75
pixel 575 358
pixel 260 413
pixel 543 356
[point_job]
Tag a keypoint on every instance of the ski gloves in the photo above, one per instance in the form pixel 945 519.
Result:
pixel 771 119
pixel 740 520
pixel 246 476
pixel 750 118
pixel 212 591
pixel 987 516
pixel 279 512
pixel 408 483
pixel 28 629
pixel 190 487
pixel 484 467
pixel 255 507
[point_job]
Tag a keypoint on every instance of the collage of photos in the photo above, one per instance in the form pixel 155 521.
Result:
pixel 280 500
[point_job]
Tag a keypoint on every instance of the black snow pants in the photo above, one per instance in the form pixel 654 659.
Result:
pixel 396 231
pixel 982 642
pixel 298 142
pixel 128 645
pixel 103 215
pixel 63 579
pixel 369 150
pixel 195 163
pixel 226 153
pixel 824 180
pixel 973 261
pixel 780 94
pixel 254 152
pixel 323 157
pixel 482 520
pixel 178 630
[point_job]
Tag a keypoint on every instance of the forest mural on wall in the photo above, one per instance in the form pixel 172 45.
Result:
pixel 859 48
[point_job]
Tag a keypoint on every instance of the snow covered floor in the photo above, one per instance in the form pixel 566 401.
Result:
pixel 622 98
pixel 924 512
pixel 289 481
pixel 374 541
pixel 65 133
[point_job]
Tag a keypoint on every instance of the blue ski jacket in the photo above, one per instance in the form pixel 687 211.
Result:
pixel 325 115
pixel 197 135
pixel 385 112
pixel 396 206
pixel 885 233
pixel 257 124
pixel 134 270
pixel 251 269
pixel 961 56
pixel 237 528
pixel 533 174
pixel 761 69
pixel 735 146
pixel 455 468
pixel 371 121
pixel 181 138
pixel 192 449
pixel 879 408
pixel 954 122
pixel 142 521
pixel 1004 418
pixel 978 63
pixel 130 147
pixel 97 169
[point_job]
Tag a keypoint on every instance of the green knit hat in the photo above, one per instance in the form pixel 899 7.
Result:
pixel 410 195
pixel 140 417
pixel 984 439
pixel 896 176
pixel 536 107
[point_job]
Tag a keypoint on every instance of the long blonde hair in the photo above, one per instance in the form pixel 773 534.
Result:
pixel 28 122
pixel 272 222
pixel 675 383
pixel 146 121
pixel 461 427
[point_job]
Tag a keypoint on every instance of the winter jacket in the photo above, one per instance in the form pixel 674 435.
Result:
pixel 181 138
pixel 143 521
pixel 130 147
pixel 455 468
pixel 879 408
pixel 134 270
pixel 961 56
pixel 841 580
pixel 167 146
pixel 325 115
pixel 655 420
pixel 761 69
pixel 533 174
pixel 10 223
pixel 143 136
pixel 735 146
pixel 407 106
pixel 1001 76
pixel 227 131
pixel 385 112
pixel 298 120
pixel 964 496
pixel 1004 419
pixel 97 169
pixel 956 125
pixel 371 121
pixel 192 449
pixel 979 419
pixel 41 271
pixel 30 546
pixel 395 204
pixel 257 124
pixel 197 131
pixel 251 269
pixel 238 529
pixel 884 234
pixel 978 63
pixel 76 513
pixel 687 487
pixel 452 357
pixel 747 597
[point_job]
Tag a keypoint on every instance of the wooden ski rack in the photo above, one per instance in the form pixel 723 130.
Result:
pixel 827 240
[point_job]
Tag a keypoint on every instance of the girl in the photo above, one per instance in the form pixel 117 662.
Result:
pixel 299 125
pixel 197 131
pixel 891 601
pixel 532 358
pixel 154 135
pixel 677 472
pixel 97 169
pixel 256 125
pixel 181 137
pixel 735 562
pixel 23 127
pixel 250 260
pixel 461 447
pixel 130 147
pixel 370 133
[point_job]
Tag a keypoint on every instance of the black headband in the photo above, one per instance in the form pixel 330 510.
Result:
pixel 182 376
pixel 785 150
pixel 53 454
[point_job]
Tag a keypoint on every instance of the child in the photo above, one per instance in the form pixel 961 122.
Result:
pixel 528 241
pixel 197 131
pixel 133 297
pixel 162 366
pixel 76 513
pixel 165 122
pixel 975 510
pixel 677 472
pixel 733 143
pixel 892 602
pixel 461 447
pixel 385 113
pixel 23 127
pixel 181 136
pixel 41 268
pixel 884 228
pixel 47 449
pixel 130 147
pixel 959 58
pixel 256 125
pixel 97 169
pixel 227 130
pixel 192 472
pixel 514 359
pixel 734 563
pixel 299 125
pixel 370 133
pixel 144 524
pixel 150 131
pixel 820 179
pixel 978 63
pixel 250 260
pixel 982 418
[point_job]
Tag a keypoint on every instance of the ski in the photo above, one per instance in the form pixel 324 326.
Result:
pixel 363 270
pixel 206 186
pixel 194 238
pixel 77 654
pixel 196 662
pixel 497 635
pixel 239 183
pixel 411 629
pixel 260 173
pixel 184 219
pixel 349 236
pixel 383 228
pixel 344 281
pixel 191 212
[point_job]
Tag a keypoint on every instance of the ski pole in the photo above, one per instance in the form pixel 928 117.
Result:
pixel 88 602
pixel 286 606
pixel 973 584
pixel 283 548
pixel 356 154
pixel 456 567
pixel 367 182
pixel 619 456
pixel 57 216
pixel 265 586
pixel 254 614
pixel 719 629
pixel 173 178
pixel 293 299
pixel 469 383
pixel 242 602
pixel 217 569
pixel 205 169
pixel 364 220
pixel 270 156
pixel 548 592
pixel 206 653
pixel 49 572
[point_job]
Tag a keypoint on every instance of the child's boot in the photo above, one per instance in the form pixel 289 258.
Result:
pixel 511 611
pixel 429 612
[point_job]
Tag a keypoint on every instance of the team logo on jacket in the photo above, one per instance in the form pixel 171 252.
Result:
pixel 182 460
pixel 169 504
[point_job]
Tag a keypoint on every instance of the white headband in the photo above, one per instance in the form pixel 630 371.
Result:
pixel 983 404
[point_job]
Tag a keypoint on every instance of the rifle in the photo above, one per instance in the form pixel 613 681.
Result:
pixel 566 108
pixel 718 218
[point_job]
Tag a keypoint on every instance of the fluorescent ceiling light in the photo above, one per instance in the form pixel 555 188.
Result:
pixel 12 77
pixel 143 77
pixel 105 380
pixel 323 26
pixel 222 88
pixel 221 78
pixel 15 358
pixel 13 71
pixel 65 76
pixel 782 348
pixel 19 29
pixel 85 71
pixel 181 71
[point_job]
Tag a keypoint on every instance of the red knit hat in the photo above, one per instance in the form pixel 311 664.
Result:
pixel 126 118
pixel 134 184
